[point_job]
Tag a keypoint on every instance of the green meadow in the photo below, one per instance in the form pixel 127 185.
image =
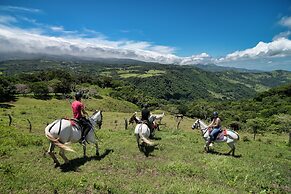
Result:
pixel 177 165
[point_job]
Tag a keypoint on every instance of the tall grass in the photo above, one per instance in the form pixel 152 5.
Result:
pixel 178 165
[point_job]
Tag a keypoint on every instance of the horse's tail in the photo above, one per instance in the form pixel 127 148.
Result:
pixel 234 135
pixel 147 141
pixel 143 138
pixel 57 142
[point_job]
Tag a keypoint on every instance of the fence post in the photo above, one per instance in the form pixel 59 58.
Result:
pixel 255 132
pixel 10 119
pixel 30 127
pixel 178 124
pixel 116 123
pixel 125 124
pixel 289 138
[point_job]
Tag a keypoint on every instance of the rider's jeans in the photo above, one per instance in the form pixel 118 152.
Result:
pixel 214 133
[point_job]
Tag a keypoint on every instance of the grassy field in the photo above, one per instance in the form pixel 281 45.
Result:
pixel 178 165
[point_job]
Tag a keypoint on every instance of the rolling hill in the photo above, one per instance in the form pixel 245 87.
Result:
pixel 165 82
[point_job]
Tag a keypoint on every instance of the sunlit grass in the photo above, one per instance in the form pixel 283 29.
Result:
pixel 150 73
pixel 179 165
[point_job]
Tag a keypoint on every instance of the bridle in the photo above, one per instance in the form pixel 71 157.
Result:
pixel 197 125
pixel 94 122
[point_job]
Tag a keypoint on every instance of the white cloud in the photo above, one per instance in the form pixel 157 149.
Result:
pixel 282 35
pixel 286 21
pixel 278 48
pixel 57 28
pixel 5 19
pixel 35 41
pixel 18 9
pixel 132 45
pixel 163 49
pixel 88 43
pixel 27 41
pixel 202 58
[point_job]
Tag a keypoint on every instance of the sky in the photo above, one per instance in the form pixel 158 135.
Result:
pixel 252 34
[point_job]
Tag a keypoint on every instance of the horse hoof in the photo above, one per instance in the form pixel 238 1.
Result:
pixel 206 149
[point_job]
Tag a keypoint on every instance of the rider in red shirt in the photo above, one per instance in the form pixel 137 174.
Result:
pixel 79 113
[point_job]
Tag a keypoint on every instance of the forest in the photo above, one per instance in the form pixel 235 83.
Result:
pixel 258 101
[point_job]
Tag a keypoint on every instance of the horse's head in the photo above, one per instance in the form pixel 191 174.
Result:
pixel 152 118
pixel 97 118
pixel 132 119
pixel 196 124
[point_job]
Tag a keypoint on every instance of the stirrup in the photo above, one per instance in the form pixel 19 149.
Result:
pixel 83 142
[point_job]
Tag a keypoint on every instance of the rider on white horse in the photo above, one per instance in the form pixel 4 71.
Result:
pixel 145 114
pixel 216 126
pixel 79 114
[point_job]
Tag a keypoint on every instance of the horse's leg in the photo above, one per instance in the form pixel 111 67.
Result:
pixel 97 149
pixel 206 146
pixel 84 150
pixel 51 153
pixel 62 154
pixel 94 141
pixel 138 141
pixel 92 138
pixel 232 148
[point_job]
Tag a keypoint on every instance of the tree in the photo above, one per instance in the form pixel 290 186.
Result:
pixel 7 89
pixel 22 88
pixel 257 124
pixel 61 86
pixel 183 109
pixel 40 89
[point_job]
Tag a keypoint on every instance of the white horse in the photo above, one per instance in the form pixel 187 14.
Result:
pixel 142 131
pixel 158 117
pixel 62 131
pixel 228 136
pixel 152 122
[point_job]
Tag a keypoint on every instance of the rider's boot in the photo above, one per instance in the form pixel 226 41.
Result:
pixel 83 139
pixel 208 143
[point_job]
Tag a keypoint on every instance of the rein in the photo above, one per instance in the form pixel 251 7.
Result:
pixel 93 123
pixel 204 131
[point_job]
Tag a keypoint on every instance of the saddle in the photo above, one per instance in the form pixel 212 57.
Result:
pixel 76 123
pixel 221 134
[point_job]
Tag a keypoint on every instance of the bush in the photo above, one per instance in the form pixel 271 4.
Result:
pixel 40 89
pixel 7 89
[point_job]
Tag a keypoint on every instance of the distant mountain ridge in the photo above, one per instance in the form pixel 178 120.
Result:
pixel 217 68
pixel 68 58
pixel 167 82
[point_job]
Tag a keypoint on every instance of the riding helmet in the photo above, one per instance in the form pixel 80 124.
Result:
pixel 78 95
pixel 215 114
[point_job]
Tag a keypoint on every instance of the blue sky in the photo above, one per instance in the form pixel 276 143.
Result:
pixel 254 34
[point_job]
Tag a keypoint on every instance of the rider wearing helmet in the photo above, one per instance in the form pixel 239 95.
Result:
pixel 145 114
pixel 216 125
pixel 79 113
